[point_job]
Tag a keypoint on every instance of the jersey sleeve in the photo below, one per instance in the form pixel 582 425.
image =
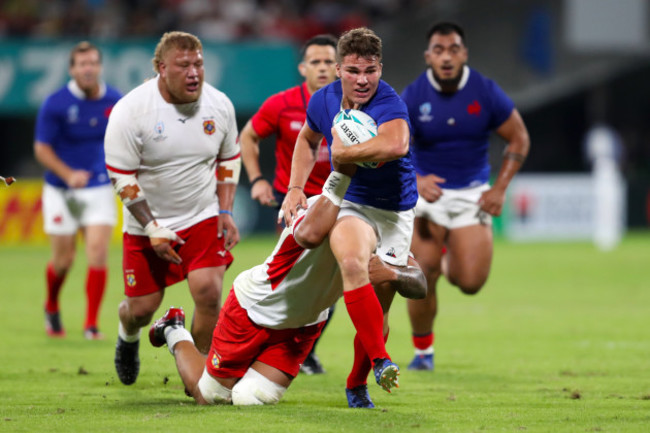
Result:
pixel 390 107
pixel 122 143
pixel 315 108
pixel 265 121
pixel 47 126
pixel 230 145
pixel 502 105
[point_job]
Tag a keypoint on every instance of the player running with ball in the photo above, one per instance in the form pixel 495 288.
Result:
pixel 377 213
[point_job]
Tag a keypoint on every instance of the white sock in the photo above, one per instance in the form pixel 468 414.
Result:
pixel 427 351
pixel 126 337
pixel 174 334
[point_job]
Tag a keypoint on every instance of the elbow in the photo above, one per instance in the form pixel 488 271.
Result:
pixel 400 149
pixel 308 239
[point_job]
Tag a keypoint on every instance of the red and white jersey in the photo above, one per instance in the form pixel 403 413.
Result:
pixel 294 287
pixel 173 150
pixel 284 114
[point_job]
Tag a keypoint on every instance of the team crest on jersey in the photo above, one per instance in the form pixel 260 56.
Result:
pixel 209 127
pixel 391 252
pixel 474 108
pixel 216 360
pixel 425 112
pixel 159 128
pixel 130 280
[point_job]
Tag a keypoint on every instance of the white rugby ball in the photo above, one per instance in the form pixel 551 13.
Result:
pixel 354 127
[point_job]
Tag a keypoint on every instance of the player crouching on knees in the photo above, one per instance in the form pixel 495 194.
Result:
pixel 275 312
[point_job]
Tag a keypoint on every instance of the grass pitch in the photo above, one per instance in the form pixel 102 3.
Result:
pixel 557 341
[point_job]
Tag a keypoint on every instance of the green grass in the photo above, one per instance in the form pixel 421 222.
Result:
pixel 558 341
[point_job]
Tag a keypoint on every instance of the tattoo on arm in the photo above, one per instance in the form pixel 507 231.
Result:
pixel 515 156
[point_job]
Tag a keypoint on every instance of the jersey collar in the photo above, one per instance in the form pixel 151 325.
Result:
pixel 74 88
pixel 461 84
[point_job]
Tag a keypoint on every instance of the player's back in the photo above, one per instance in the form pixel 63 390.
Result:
pixel 294 286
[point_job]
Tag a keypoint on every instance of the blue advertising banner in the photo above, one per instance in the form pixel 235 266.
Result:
pixel 247 72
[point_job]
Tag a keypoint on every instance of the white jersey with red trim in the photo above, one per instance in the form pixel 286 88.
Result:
pixel 294 287
pixel 173 150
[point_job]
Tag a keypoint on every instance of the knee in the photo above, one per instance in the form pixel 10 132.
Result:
pixel 138 312
pixel 351 265
pixel 256 389
pixel 210 391
pixel 471 287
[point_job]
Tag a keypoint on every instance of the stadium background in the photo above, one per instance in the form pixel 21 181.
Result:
pixel 568 65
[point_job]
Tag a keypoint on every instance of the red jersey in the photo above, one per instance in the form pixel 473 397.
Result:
pixel 284 114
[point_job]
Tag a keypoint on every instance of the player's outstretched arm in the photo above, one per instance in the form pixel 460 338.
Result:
pixel 408 281
pixel 304 159
pixel 320 217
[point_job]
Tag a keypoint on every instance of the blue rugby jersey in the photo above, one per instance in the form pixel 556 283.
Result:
pixel 75 127
pixel 391 186
pixel 450 131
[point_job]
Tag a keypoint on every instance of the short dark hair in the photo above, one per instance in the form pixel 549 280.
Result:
pixel 446 28
pixel 83 47
pixel 362 41
pixel 321 40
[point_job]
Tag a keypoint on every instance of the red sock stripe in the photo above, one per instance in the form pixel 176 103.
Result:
pixel 423 341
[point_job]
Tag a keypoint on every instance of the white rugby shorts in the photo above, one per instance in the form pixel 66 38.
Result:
pixel 66 210
pixel 455 208
pixel 394 230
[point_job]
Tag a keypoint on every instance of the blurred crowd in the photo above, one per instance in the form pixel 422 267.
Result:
pixel 212 20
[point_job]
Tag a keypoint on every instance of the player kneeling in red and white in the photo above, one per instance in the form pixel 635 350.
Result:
pixel 275 312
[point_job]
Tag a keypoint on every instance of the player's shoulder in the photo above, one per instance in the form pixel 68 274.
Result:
pixel 478 79
pixel 113 93
pixel 414 88
pixel 210 95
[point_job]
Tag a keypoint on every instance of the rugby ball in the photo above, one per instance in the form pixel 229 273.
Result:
pixel 354 127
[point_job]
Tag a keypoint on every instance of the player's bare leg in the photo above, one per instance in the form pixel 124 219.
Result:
pixel 469 256
pixel 63 255
pixel 97 238
pixel 427 246
pixel 205 286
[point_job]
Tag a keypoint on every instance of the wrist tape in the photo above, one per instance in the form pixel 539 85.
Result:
pixel 335 187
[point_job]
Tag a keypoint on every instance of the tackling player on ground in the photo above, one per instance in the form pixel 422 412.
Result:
pixel 69 143
pixel 377 214
pixel 453 109
pixel 283 114
pixel 173 158
pixel 276 310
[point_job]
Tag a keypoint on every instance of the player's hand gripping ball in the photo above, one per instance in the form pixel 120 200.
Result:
pixel 354 127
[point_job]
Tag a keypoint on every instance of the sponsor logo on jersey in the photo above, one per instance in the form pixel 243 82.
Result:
pixel 425 112
pixel 130 280
pixel 391 252
pixel 209 127
pixel 295 125
pixel 474 109
pixel 216 360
